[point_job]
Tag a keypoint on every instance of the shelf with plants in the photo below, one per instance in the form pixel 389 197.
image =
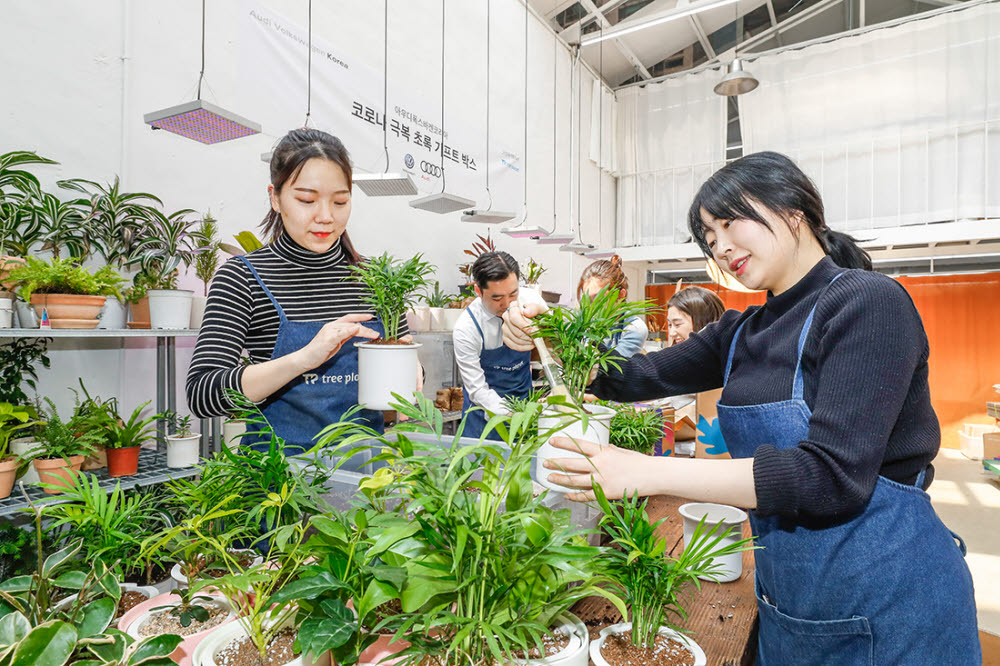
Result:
pixel 95 333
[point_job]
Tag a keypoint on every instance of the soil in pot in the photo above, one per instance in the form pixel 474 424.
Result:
pixel 130 599
pixel 618 650
pixel 164 623
pixel 155 574
pixel 553 644
pixel 242 651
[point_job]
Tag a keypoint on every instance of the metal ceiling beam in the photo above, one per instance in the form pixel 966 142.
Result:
pixel 774 19
pixel 702 37
pixel 603 10
pixel 619 44
pixel 804 15
pixel 941 3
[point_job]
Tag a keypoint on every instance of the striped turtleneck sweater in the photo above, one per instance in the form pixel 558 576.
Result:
pixel 239 315
pixel 864 366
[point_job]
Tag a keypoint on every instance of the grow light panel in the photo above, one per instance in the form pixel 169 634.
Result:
pixel 442 203
pixel 556 239
pixel 487 216
pixel 525 232
pixel 600 254
pixel 386 184
pixel 580 248
pixel 201 121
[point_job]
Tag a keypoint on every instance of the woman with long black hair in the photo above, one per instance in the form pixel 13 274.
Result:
pixel 826 411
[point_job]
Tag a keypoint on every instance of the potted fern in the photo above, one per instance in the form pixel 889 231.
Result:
pixel 62 452
pixel 651 584
pixel 205 264
pixel 125 439
pixel 72 294
pixel 387 365
pixel 575 335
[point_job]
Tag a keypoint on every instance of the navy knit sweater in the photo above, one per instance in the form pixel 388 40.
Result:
pixel 865 372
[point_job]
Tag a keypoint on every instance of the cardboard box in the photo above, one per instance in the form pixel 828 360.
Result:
pixel 991 445
pixel 709 442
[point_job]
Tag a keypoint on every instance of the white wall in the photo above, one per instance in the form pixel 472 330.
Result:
pixel 79 75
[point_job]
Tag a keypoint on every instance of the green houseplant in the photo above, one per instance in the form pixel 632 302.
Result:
pixel 575 335
pixel 389 365
pixel 72 294
pixel 182 444
pixel 62 451
pixel 19 361
pixel 205 264
pixel 635 428
pixel 649 582
pixel 531 273
pixel 489 569
pixel 481 246
pixel 20 228
pixel 13 419
pixel 124 439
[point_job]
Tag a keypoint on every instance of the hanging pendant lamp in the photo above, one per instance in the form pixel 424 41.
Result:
pixel 198 119
pixel 737 80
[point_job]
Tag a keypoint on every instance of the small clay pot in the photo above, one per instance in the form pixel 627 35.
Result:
pixel 56 472
pixel 123 462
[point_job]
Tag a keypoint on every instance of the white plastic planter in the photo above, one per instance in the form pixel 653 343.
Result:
pixel 624 627
pixel 419 319
pixel 598 431
pixel 197 311
pixel 170 308
pixel 114 315
pixel 206 652
pixel 577 653
pixel 232 432
pixel 23 448
pixel 451 317
pixel 384 370
pixel 183 451
pixel 730 566
pixel 181 579
pixel 147 591
pixel 6 312
pixel 436 319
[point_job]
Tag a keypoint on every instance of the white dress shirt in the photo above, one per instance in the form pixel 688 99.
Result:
pixel 468 345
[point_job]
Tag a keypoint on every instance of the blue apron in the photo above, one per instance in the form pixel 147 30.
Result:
pixel 888 586
pixel 302 408
pixel 508 372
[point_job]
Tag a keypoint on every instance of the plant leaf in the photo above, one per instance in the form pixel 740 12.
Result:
pixel 97 616
pixel 48 644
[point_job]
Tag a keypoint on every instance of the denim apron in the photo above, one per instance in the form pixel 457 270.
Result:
pixel 508 372
pixel 888 586
pixel 304 406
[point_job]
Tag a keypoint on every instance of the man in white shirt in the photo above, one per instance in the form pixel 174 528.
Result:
pixel 490 370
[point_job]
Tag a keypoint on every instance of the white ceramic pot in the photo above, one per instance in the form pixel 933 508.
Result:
pixel 436 319
pixel 181 579
pixel 147 591
pixel 624 627
pixel 183 451
pixel 6 312
pixel 197 311
pixel 113 316
pixel 419 319
pixel 451 317
pixel 23 448
pixel 577 653
pixel 206 652
pixel 570 425
pixel 231 433
pixel 26 317
pixel 170 308
pixel 730 566
pixel 384 370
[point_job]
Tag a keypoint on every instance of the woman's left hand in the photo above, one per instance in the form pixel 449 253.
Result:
pixel 618 471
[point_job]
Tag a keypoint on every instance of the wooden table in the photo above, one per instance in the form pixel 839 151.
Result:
pixel 721 616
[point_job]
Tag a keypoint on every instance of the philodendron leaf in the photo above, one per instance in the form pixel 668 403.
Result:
pixel 13 627
pixel 48 644
pixel 53 561
pixel 16 584
pixel 113 652
pixel 96 617
pixel 71 580
pixel 152 648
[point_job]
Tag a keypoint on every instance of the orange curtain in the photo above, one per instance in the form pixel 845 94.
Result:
pixel 961 314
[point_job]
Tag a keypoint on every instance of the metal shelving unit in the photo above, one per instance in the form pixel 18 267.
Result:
pixel 152 469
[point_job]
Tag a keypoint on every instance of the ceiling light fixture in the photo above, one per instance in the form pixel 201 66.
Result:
pixel 201 120
pixel 525 232
pixel 737 80
pixel 556 239
pixel 442 202
pixel 385 184
pixel 671 15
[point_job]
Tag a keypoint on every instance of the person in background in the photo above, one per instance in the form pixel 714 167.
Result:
pixel 827 413
pixel 689 311
pixel 608 273
pixel 490 370
pixel 294 304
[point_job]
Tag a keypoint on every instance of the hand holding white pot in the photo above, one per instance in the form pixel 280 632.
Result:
pixel 332 337
pixel 619 471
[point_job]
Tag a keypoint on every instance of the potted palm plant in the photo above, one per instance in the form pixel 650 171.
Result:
pixel 61 452
pixel 388 366
pixel 72 295
pixel 125 439
pixel 651 584
pixel 12 420
pixel 575 336
pixel 182 443
pixel 205 264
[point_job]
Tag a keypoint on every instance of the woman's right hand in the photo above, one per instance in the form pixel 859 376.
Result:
pixel 517 329
pixel 331 338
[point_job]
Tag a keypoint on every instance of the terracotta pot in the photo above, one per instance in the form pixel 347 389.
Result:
pixel 97 460
pixel 382 651
pixel 8 470
pixel 140 314
pixel 56 471
pixel 123 462
pixel 8 263
pixel 68 306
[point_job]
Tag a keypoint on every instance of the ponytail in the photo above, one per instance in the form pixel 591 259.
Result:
pixel 844 250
